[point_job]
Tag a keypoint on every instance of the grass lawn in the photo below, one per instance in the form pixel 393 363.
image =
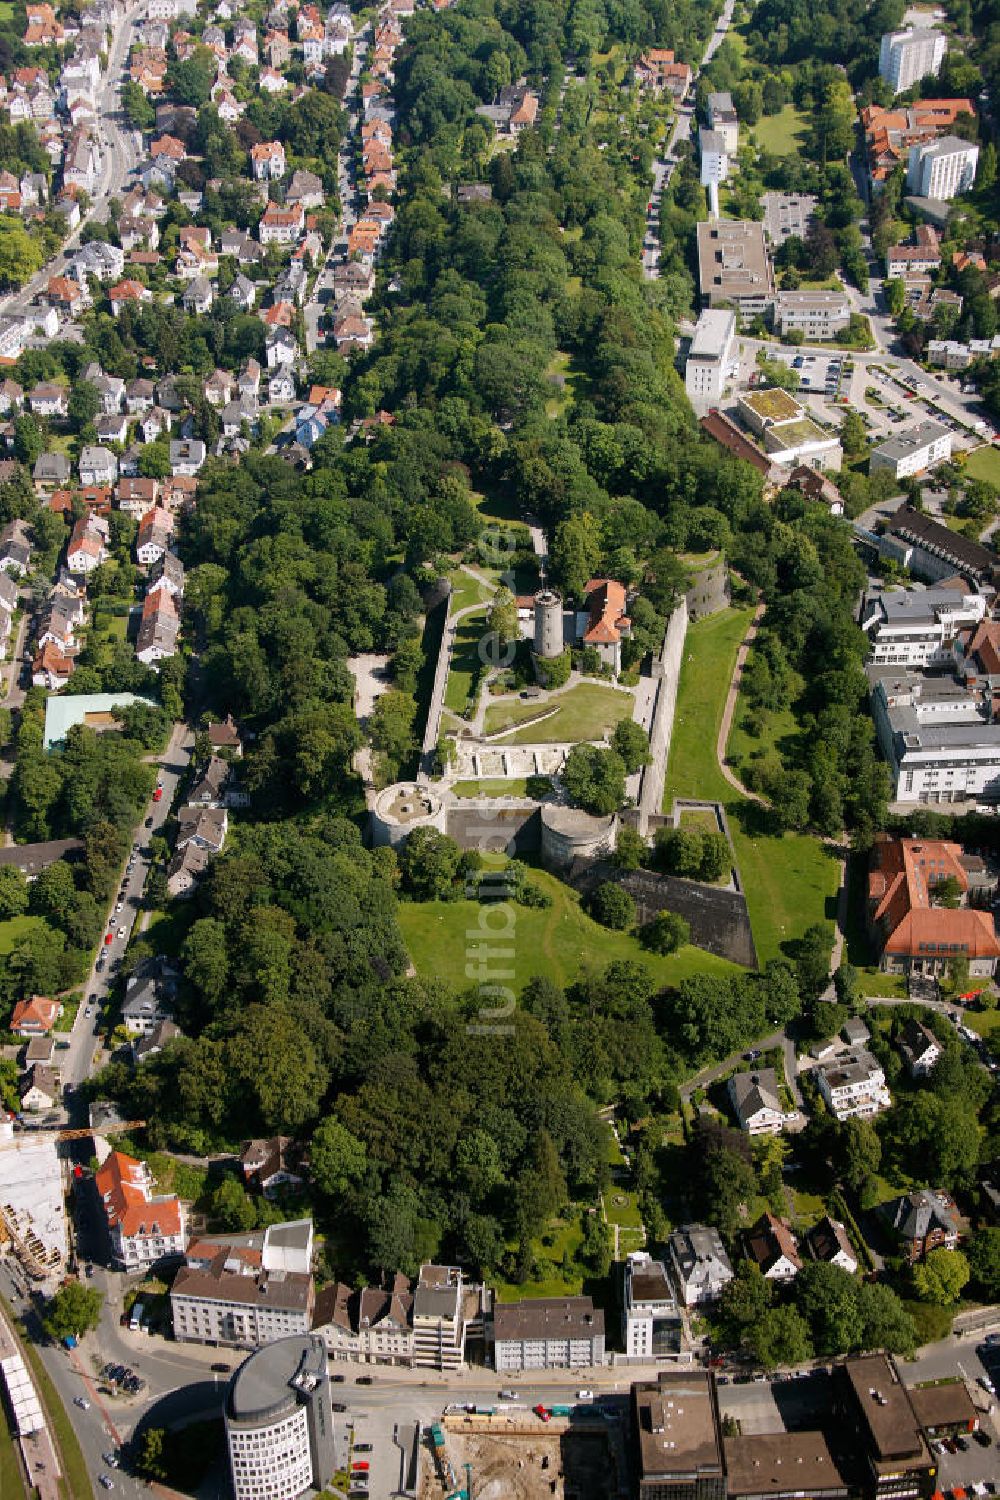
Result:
pixel 465 591
pixel 495 786
pixel 168 929
pixel 464 661
pixel 621 1206
pixel 807 1208
pixel 781 134
pixel 699 817
pixel 173 1176
pixel 984 1022
pixel 874 982
pixel 562 1235
pixel 16 928
pixel 560 941
pixel 777 730
pixel 984 463
pixel 70 1005
pixel 565 379
pixel 791 880
pixel 587 711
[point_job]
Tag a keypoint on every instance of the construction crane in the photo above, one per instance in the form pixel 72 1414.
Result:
pixel 74 1135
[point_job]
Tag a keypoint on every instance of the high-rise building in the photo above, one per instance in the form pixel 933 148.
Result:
pixel 907 56
pixel 942 169
pixel 710 362
pixel 279 1421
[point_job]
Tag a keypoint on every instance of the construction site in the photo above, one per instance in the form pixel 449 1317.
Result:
pixel 517 1456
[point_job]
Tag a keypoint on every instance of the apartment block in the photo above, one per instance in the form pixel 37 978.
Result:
pixel 853 1085
pixel 248 1290
pixel 913 451
pixel 651 1323
pixel 711 360
pixel 907 56
pixel 918 628
pixel 817 315
pixel 547 1333
pixel 722 117
pixel 942 169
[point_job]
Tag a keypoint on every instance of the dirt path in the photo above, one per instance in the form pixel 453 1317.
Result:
pixel 730 709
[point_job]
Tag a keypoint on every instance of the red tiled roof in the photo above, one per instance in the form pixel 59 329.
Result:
pixel 903 876
pixel 121 1183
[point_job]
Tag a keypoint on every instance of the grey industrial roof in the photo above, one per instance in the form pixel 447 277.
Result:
pixel 262 1386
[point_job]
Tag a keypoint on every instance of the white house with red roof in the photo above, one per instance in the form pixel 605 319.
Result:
pixel 144 1226
pixel 603 623
pixel 35 1017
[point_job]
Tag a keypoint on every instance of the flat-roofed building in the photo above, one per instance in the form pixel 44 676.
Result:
pixel 787 214
pixel 651 1323
pixel 734 267
pixel 918 628
pixel 944 1409
pixel 677 1436
pixel 788 433
pixel 783 1465
pixel 714 156
pixel 942 169
pixel 907 56
pixel 913 451
pixel 893 1448
pixel 548 1333
pixel 817 315
pixel 722 117
pixel 940 741
pixel 279 1422
pixel 710 363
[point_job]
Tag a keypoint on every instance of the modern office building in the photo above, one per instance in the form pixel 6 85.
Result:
pixel 677 1437
pixel 734 267
pixel 651 1324
pixel 907 56
pixel 279 1422
pixel 710 362
pixel 942 169
pixel 919 627
pixel 875 1403
pixel 940 740
pixel 913 451
pixel 816 315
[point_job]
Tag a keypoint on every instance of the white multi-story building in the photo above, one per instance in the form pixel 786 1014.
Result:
pixel 651 1323
pixel 248 1291
pixel 937 736
pixel 853 1085
pixel 755 1100
pixel 714 156
pixel 942 169
pixel 710 362
pixel 918 628
pixel 913 451
pixel 279 1422
pixel 722 117
pixel 548 1333
pixel 907 56
pixel 699 1263
pixel 817 315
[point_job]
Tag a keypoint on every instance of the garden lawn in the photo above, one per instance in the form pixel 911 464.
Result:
pixel 984 463
pixel 15 929
pixel 565 378
pixel 790 880
pixel 464 661
pixel 626 1213
pixel 565 1235
pixel 496 786
pixel 168 929
pixel 465 590
pixel 985 1022
pixel 559 942
pixel 781 134
pixel 587 711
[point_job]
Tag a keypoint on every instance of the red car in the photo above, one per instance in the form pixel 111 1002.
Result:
pixel 109 938
pixel 540 1411
pixel 158 794
pixel 358 1466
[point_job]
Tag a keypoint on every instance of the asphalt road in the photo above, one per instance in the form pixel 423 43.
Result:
pixel 118 159
pixel 77 1063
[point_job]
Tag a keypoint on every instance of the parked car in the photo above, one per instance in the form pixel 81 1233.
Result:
pixel 366 1380
pixel 81 1402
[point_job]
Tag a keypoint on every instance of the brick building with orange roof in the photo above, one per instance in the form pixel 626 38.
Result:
pixel 915 935
pixel 604 623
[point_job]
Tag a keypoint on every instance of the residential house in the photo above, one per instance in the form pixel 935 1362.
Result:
pixel 547 1333
pixel 35 1017
pixel 282 226
pixel 187 455
pixel 52 667
pixel 185 870
pixel 698 1263
pixel 66 296
pixel 147 1046
pixel 754 1097
pixel 11 396
pixel 219 388
pixel 772 1246
pixel 373 1325
pixel 657 72
pixel 226 737
pixel 198 296
pixel 204 826
pixel 166 574
pixel 136 496
pixel 47 400
pixel 243 292
pixel 42 1089
pixel 828 1241
pixel 111 429
pixel 853 1085
pixel 87 547
pixel 272 82
pixel 281 386
pixel 919 1049
pixel 98 465
pixel 150 996
pixel 271 1165
pixel 153 538
pixel 38 1049
pixel 15 548
pixel 145 1227
pixel 282 348
pixel 603 623
pixel 305 188
pixel 923 1220
pixel 126 292
pixel 159 628
pixel 651 1322
pixel 268 161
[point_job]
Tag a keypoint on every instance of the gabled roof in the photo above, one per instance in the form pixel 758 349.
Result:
pixel 770 1239
pixel 916 1215
pixel 129 1203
